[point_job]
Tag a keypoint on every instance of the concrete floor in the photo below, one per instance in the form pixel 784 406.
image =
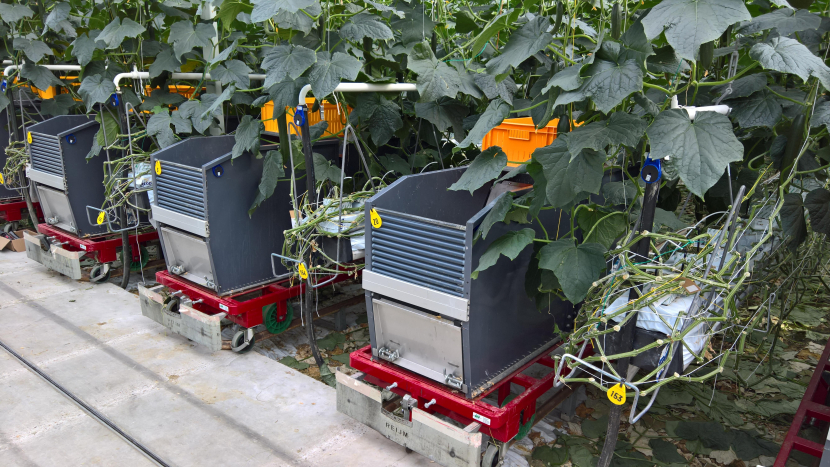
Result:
pixel 190 407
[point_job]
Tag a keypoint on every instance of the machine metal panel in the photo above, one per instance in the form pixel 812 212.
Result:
pixel 187 255
pixel 425 344
pixel 56 208
pixel 181 189
pixel 180 221
pixel 47 179
pixel 423 297
pixel 45 153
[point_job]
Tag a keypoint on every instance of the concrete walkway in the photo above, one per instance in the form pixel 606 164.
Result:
pixel 188 406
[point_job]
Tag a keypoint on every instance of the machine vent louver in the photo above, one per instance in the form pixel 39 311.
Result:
pixel 46 154
pixel 181 189
pixel 422 253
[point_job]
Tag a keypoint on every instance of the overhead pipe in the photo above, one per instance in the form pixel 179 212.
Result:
pixel 11 68
pixel 362 87
pixel 146 75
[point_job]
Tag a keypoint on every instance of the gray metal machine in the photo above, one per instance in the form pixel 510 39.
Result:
pixel 426 312
pixel 201 201
pixel 66 181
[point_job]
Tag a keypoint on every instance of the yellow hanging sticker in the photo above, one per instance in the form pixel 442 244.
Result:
pixel 158 167
pixel 616 394
pixel 101 217
pixel 2 180
pixel 303 272
pixel 375 218
pixel 29 137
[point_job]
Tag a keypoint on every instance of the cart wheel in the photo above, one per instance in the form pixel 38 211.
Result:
pixel 270 318
pixel 99 273
pixel 171 305
pixel 11 226
pixel 491 456
pixel 238 343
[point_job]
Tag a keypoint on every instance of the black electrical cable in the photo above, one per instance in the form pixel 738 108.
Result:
pixel 86 408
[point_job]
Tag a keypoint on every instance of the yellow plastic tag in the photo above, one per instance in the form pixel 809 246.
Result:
pixel 375 218
pixel 29 137
pixel 616 394
pixel 158 167
pixel 303 272
pixel 101 217
pixel 2 180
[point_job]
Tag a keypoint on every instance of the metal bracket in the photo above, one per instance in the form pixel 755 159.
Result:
pixel 177 270
pixel 453 381
pixel 407 404
pixel 109 222
pixel 388 355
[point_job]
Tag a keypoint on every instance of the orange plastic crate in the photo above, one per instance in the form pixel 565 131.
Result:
pixel 337 121
pixel 518 138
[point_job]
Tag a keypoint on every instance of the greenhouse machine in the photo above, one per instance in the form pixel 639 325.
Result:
pixel 16 193
pixel 217 256
pixel 78 225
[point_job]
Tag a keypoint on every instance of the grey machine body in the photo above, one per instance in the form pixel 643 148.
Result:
pixel 67 182
pixel 200 203
pixel 426 312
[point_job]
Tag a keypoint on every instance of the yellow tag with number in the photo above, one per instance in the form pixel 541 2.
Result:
pixel 101 217
pixel 2 180
pixel 375 218
pixel 29 137
pixel 158 167
pixel 303 272
pixel 616 394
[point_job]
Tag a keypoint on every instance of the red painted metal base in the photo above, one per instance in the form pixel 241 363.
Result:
pixel 103 249
pixel 500 423
pixel 813 406
pixel 11 210
pixel 244 308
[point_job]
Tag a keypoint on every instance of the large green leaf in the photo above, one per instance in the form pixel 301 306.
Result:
pixel 229 10
pixel 33 49
pixel 817 203
pixel 665 451
pixel 443 113
pixel 496 214
pixel 266 9
pixel 286 62
pixel 225 54
pixel 435 78
pixel 790 56
pixel 499 23
pixel 742 87
pixel 58 105
pixel 58 19
pixel 759 109
pixel 699 150
pixel 4 102
pixel 365 25
pixel 247 136
pixel 665 60
pixel 636 45
pixel 96 89
pixel 299 21
pixel 324 170
pixel 492 89
pixel 821 115
pixel 485 167
pixel 576 266
pixel 232 72
pixel 567 178
pixel 40 76
pixel 185 37
pixel 689 23
pixel 329 70
pixel 284 94
pixel 272 170
pixel 532 37
pixel 381 116
pixel 14 13
pixel 159 127
pixel 607 226
pixel 566 80
pixel 83 48
pixel 607 85
pixel 784 20
pixel 509 244
pixel 165 61
pixel 497 110
pixel 115 32
pixel 621 128
pixel 195 111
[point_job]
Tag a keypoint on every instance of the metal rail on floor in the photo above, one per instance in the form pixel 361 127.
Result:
pixel 87 409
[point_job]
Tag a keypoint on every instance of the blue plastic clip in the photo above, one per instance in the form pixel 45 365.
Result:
pixel 299 116
pixel 652 171
pixel 114 100
pixel 218 170
pixel 70 138
pixel 3 86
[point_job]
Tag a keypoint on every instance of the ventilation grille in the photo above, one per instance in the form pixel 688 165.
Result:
pixel 46 154
pixel 181 189
pixel 420 253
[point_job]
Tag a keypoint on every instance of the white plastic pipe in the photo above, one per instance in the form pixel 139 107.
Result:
pixel 362 87
pixel 692 110
pixel 146 75
pixel 11 68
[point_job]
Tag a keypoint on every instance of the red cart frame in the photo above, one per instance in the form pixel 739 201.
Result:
pixel 813 406
pixel 103 249
pixel 11 210
pixel 500 423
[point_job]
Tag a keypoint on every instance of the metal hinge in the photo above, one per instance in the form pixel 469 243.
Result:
pixel 388 354
pixel 178 270
pixel 453 381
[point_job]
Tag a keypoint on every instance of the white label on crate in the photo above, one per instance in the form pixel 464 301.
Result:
pixel 481 418
pixel 224 307
pixel 83 247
